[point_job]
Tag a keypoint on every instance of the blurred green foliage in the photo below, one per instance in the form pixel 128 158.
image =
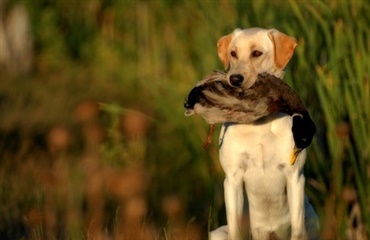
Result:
pixel 142 57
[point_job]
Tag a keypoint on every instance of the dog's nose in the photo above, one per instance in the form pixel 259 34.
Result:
pixel 236 80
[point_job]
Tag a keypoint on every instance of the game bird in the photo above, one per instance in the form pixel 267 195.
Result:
pixel 214 99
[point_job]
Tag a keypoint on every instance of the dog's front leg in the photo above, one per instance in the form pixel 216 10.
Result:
pixel 233 187
pixel 295 190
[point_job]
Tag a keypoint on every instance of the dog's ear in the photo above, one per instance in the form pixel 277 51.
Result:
pixel 283 46
pixel 223 48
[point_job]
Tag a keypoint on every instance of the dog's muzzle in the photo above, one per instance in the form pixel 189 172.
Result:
pixel 236 80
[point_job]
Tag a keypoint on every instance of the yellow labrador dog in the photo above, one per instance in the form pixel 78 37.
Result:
pixel 259 154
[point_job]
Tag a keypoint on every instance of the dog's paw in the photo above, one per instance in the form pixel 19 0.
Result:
pixel 303 130
pixel 220 233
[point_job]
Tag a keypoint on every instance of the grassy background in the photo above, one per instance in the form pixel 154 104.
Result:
pixel 93 140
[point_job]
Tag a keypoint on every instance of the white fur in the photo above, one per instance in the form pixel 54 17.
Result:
pixel 259 154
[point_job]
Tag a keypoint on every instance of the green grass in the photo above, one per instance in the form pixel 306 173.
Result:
pixel 129 57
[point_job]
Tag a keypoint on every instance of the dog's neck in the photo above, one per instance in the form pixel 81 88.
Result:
pixel 278 74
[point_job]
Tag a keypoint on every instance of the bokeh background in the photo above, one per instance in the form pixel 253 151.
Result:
pixel 93 140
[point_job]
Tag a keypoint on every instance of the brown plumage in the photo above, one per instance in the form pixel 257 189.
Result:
pixel 217 101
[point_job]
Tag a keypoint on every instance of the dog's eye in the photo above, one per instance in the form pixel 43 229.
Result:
pixel 256 53
pixel 233 54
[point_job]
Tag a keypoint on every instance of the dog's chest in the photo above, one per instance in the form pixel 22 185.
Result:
pixel 263 175
pixel 264 178
pixel 261 152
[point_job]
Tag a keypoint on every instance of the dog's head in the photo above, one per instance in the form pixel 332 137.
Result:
pixel 252 51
